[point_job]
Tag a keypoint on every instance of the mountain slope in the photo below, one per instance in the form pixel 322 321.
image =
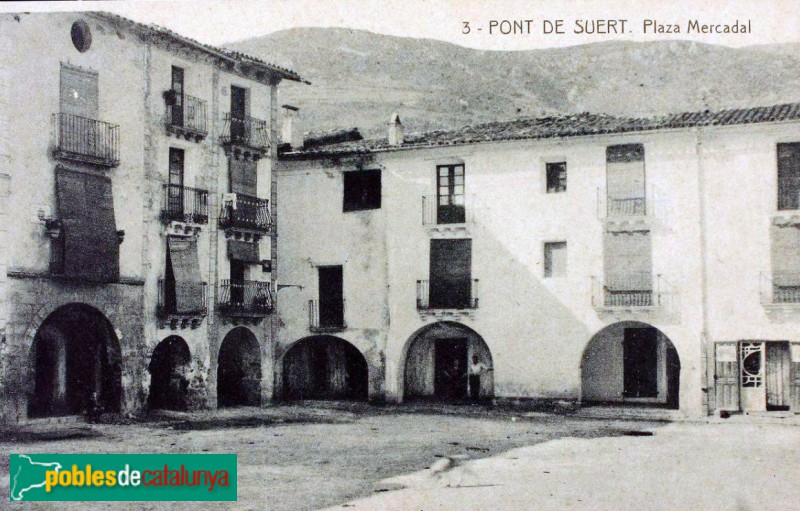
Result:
pixel 359 78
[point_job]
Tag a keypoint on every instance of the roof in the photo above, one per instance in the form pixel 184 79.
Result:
pixel 221 53
pixel 576 125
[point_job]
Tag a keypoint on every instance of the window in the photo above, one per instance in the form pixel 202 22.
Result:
pixel 625 180
pixel 81 36
pixel 556 177
pixel 789 176
pixel 555 259
pixel 362 190
pixel 450 194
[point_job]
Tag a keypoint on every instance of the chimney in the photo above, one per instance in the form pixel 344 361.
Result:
pixel 395 130
pixel 289 136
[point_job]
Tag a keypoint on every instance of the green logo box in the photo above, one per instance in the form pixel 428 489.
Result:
pixel 123 477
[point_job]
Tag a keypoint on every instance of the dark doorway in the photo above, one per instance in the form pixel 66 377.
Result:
pixel 76 363
pixel 168 374
pixel 238 113
pixel 450 194
pixel 673 376
pixel 331 300
pixel 450 273
pixel 640 362
pixel 237 281
pixel 177 89
pixel 778 374
pixel 239 370
pixel 325 367
pixel 450 366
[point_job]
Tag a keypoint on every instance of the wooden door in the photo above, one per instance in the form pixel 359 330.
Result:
pixel 450 273
pixel 777 376
pixel 794 356
pixel 331 303
pixel 237 282
pixel 175 193
pixel 726 376
pixel 450 194
pixel 177 89
pixel 450 371
pixel 640 362
pixel 238 113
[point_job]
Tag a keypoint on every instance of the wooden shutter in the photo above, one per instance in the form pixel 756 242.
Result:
pixel 628 261
pixel 785 255
pixel 450 273
pixel 186 269
pixel 726 376
pixel 789 176
pixel 243 251
pixel 243 177
pixel 79 92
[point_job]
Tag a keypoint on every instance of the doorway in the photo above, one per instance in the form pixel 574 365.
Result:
pixel 778 376
pixel 450 194
pixel 450 366
pixel 640 362
pixel 331 300
pixel 238 114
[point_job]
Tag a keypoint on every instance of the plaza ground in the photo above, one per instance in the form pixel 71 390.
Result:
pixel 319 455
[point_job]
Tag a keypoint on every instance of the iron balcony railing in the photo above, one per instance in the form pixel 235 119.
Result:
pixel 631 206
pixel 86 140
pixel 451 295
pixel 246 297
pixel 445 209
pixel 329 319
pixel 627 290
pixel 190 116
pixel 167 299
pixel 246 131
pixel 184 204
pixel 246 212
pixel 780 288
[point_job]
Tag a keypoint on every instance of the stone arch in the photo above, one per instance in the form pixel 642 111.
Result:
pixel 169 367
pixel 239 369
pixel 325 367
pixel 632 363
pixel 75 362
pixel 435 363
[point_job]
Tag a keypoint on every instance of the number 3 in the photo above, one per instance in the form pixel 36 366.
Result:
pixel 466 29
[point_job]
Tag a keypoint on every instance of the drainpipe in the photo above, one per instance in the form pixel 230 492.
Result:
pixel 704 254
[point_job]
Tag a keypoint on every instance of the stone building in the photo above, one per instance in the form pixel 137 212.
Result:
pixel 585 258
pixel 136 262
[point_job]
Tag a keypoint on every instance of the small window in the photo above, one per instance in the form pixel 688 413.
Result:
pixel 555 259
pixel 362 190
pixel 81 36
pixel 557 177
pixel 789 176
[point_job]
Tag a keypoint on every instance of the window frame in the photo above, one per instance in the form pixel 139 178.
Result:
pixel 370 199
pixel 547 174
pixel 547 270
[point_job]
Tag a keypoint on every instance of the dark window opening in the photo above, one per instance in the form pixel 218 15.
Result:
pixel 557 177
pixel 450 194
pixel 362 190
pixel 789 176
pixel 555 259
pixel 81 36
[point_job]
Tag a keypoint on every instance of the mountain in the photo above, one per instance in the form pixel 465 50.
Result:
pixel 359 78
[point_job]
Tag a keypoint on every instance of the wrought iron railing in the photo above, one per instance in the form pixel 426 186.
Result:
pixel 447 296
pixel 331 321
pixel 444 210
pixel 628 290
pixel 632 206
pixel 184 204
pixel 246 131
pixel 246 212
pixel 780 288
pixel 86 140
pixel 189 116
pixel 245 297
pixel 167 302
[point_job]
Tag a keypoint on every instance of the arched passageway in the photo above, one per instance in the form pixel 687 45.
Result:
pixel 632 363
pixel 77 364
pixel 438 362
pixel 169 381
pixel 239 369
pixel 325 367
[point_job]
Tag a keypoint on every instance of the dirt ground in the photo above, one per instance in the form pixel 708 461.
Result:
pixel 312 455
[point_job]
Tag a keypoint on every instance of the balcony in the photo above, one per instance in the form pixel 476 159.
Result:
pixel 447 214
pixel 245 216
pixel 451 299
pixel 190 313
pixel 83 140
pixel 245 299
pixel 630 291
pixel 185 207
pixel 780 290
pixel 188 119
pixel 329 319
pixel 246 137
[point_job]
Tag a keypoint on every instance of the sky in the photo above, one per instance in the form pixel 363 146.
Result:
pixel 217 22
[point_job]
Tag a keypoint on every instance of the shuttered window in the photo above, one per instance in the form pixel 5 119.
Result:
pixel 789 176
pixel 625 179
pixel 90 246
pixel 243 251
pixel 628 261
pixel 78 94
pixel 185 270
pixel 785 256
pixel 243 176
pixel 555 259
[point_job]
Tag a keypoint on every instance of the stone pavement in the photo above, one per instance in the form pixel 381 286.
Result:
pixel 682 466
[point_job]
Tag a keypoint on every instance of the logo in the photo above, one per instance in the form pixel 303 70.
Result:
pixel 123 477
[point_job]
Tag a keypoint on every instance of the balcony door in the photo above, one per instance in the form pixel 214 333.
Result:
pixel 238 113
pixel 79 92
pixel 237 281
pixel 450 273
pixel 450 194
pixel 175 195
pixel 177 88
pixel 331 298
pixel 640 362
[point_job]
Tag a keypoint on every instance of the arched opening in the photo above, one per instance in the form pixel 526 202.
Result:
pixel 77 364
pixel 442 361
pixel 239 370
pixel 325 367
pixel 169 367
pixel 631 363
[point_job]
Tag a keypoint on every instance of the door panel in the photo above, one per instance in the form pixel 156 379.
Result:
pixel 331 303
pixel 238 113
pixel 450 194
pixel 640 362
pixel 777 375
pixel 450 273
pixel 794 350
pixel 79 92
pixel 726 378
pixel 177 88
pixel 450 372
